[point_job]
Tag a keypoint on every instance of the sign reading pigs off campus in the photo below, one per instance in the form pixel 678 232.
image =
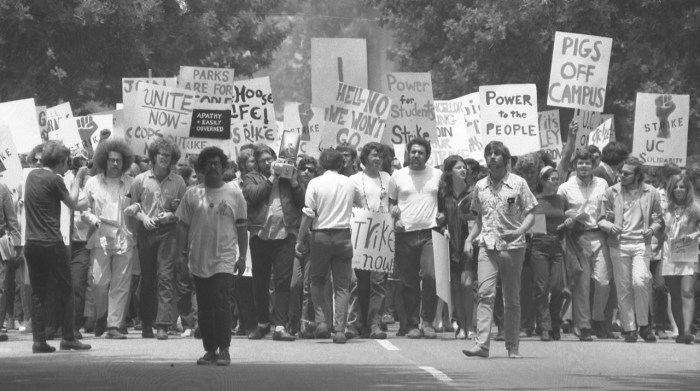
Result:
pixel 579 75
pixel 357 116
pixel 412 114
pixel 372 240
pixel 661 129
pixel 509 115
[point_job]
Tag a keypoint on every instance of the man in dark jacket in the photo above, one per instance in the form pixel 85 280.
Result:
pixel 274 213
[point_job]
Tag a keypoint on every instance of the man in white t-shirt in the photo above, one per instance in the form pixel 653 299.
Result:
pixel 208 214
pixel 413 197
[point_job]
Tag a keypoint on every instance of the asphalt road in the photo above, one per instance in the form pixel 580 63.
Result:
pixel 361 364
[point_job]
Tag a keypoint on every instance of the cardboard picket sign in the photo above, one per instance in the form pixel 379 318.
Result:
pixel 372 240
pixel 550 133
pixel 53 117
pixel 579 75
pixel 509 115
pixel 252 112
pixel 441 256
pixel 600 137
pixel 358 116
pixel 211 85
pixel 43 123
pixel 82 132
pixel 21 118
pixel 118 130
pixel 412 112
pixel 137 131
pixel 336 60
pixel 661 129
pixel 588 121
pixel 458 129
pixel 10 163
pixel 307 120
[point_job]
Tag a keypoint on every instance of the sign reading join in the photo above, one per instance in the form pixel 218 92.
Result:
pixel 509 115
pixel 579 73
pixel 661 129
pixel 412 113
pixel 372 241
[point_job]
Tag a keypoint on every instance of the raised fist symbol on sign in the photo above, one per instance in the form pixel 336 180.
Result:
pixel 664 108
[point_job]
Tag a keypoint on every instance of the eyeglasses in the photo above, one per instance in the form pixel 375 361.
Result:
pixel 164 154
pixel 267 160
pixel 624 173
pixel 309 169
pixel 114 160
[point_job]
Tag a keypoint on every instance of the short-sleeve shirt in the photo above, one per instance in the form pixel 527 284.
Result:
pixel 582 197
pixel 212 215
pixel 502 207
pixel 416 193
pixel 156 197
pixel 42 202
pixel 329 200
pixel 371 193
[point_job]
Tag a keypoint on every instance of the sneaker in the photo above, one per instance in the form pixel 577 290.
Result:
pixel 322 331
pixel 161 334
pixel 42 347
pixel 377 333
pixel 282 335
pixel 585 335
pixel 339 338
pixel 388 319
pixel 209 358
pixel 546 336
pixel 415 333
pixel 74 345
pixel 429 332
pixel 224 358
pixel 513 353
pixel 631 337
pixel 476 351
pixel 114 333
pixel 187 333
pixel 259 332
pixel 401 332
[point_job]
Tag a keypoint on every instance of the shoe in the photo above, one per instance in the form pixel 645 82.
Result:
pixel 3 337
pixel 147 333
pixel 74 345
pixel 197 333
pixel 460 334
pixel 101 326
pixel 161 334
pixel 42 347
pixel 647 334
pixel 50 333
pixel 429 332
pixel 259 332
pixel 77 334
pixel 689 339
pixel 187 333
pixel 138 326
pixel 322 331
pixel 339 338
pixel 401 332
pixel 282 336
pixel 89 326
pixel 500 335
pixel 476 351
pixel 11 324
pixel 114 333
pixel 585 335
pixel 546 336
pixel 556 334
pixel 124 330
pixel 415 333
pixel 566 327
pixel 224 358
pixel 598 329
pixel 513 353
pixel 352 332
pixel 365 332
pixel 662 334
pixel 377 333
pixel 388 319
pixel 209 358
pixel 632 336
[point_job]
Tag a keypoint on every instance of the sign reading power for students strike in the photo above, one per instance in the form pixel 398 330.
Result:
pixel 212 85
pixel 412 113
pixel 308 121
pixel 509 115
pixel 21 119
pixel 579 73
pixel 372 241
pixel 357 117
pixel 550 133
pixel 252 112
pixel 661 129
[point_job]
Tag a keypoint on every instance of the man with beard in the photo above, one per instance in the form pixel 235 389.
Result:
pixel 583 195
pixel 274 213
pixel 504 207
pixel 211 230
pixel 413 192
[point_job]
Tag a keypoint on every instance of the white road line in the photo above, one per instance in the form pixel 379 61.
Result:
pixel 387 345
pixel 437 374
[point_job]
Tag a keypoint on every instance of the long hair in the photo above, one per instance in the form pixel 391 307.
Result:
pixel 113 145
pixel 162 144
pixel 687 199
pixel 448 164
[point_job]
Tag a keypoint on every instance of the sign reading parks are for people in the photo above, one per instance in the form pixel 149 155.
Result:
pixel 211 85
pixel 661 129
pixel 579 75
pixel 509 115
pixel 412 114
pixel 372 241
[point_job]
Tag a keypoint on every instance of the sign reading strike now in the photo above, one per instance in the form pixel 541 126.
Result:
pixel 579 73
pixel 214 124
pixel 509 115
pixel 372 241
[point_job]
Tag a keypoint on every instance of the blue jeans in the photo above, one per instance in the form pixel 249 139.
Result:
pixel 331 249
pixel 414 260
pixel 214 305
pixel 272 259
pixel 547 262
pixel 157 257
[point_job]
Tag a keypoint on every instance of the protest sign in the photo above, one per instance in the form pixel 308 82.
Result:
pixel 457 123
pixel 683 251
pixel 83 132
pixel 252 112
pixel 10 164
pixel 117 122
pixel 661 129
pixel 211 85
pixel 308 121
pixel 53 117
pixel 289 146
pixel 412 113
pixel 588 121
pixel 550 133
pixel 579 75
pixel 21 118
pixel 357 116
pixel 336 60
pixel 214 124
pixel 441 255
pixel 43 124
pixel 136 133
pixel 509 115
pixel 372 240
pixel 600 137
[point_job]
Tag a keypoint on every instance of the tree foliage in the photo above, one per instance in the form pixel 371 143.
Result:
pixel 78 50
pixel 467 43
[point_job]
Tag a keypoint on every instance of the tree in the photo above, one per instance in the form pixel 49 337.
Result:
pixel 467 43
pixel 78 50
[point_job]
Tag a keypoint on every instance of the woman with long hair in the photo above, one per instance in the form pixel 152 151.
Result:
pixel 454 201
pixel 682 217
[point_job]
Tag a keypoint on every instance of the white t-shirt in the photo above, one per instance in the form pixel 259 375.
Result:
pixel 372 193
pixel 212 237
pixel 416 194
pixel 329 201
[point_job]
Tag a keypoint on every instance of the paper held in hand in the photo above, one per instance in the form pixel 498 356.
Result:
pixel 683 251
